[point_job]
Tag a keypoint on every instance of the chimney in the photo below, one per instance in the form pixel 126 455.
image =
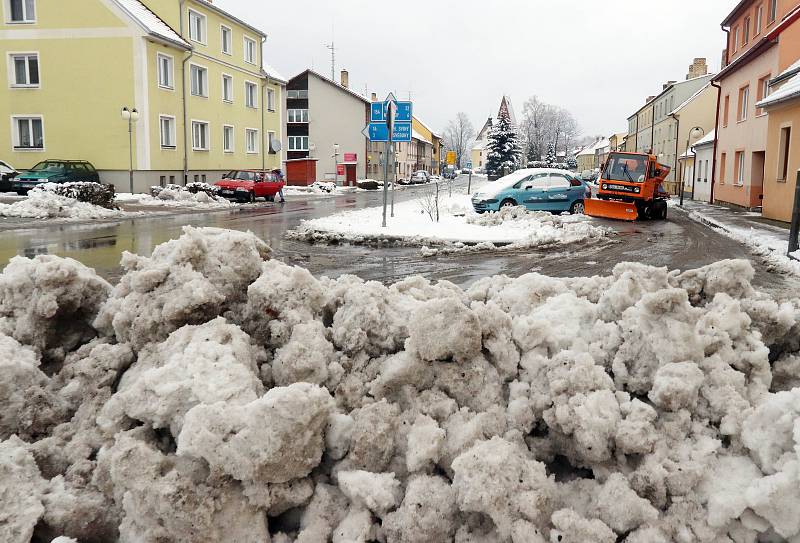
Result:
pixel 667 84
pixel 374 97
pixel 345 79
pixel 698 68
pixel 649 98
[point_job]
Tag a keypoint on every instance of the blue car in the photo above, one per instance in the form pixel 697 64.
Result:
pixel 538 189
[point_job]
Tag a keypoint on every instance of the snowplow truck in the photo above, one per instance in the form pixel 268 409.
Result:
pixel 630 188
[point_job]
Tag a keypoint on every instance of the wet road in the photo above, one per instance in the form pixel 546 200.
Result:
pixel 678 244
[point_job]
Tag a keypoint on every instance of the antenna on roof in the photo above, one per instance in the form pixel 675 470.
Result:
pixel 332 47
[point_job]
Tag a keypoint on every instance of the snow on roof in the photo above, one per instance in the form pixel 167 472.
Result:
pixel 334 83
pixel 417 136
pixel 588 151
pixel 788 90
pixel 150 22
pixel 708 138
pixel 691 98
pixel 210 5
pixel 479 144
pixel 274 74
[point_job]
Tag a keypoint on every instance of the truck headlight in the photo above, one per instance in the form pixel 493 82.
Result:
pixel 605 187
pixel 637 190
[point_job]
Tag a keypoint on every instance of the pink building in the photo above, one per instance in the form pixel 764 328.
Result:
pixel 751 60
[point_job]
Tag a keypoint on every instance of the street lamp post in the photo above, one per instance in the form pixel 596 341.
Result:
pixel 692 132
pixel 132 116
pixel 336 164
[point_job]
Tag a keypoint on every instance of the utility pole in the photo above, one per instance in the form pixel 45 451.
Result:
pixel 795 228
pixel 332 47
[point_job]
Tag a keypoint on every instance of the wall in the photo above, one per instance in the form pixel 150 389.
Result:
pixel 736 51
pixel 748 136
pixel 335 116
pixel 702 186
pixel 779 193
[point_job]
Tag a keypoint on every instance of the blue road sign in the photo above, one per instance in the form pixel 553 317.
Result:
pixel 404 112
pixel 401 132
pixel 469 165
pixel 378 112
pixel 377 132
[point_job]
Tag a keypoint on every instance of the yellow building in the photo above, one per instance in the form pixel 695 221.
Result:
pixel 206 102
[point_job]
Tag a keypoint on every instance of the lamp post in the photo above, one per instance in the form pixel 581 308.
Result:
pixel 700 133
pixel 132 116
pixel 336 164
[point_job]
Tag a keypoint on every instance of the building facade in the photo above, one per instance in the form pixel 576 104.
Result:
pixel 325 122
pixel 195 77
pixel 756 52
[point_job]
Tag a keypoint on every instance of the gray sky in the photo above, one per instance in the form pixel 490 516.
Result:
pixel 599 60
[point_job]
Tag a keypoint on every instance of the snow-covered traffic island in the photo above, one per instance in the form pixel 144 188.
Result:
pixel 458 227
pixel 216 395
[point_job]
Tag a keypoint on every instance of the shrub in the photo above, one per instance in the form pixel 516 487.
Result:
pixel 98 194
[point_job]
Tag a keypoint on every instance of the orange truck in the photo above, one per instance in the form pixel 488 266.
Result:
pixel 629 188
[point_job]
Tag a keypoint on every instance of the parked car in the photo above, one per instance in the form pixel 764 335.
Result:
pixel 449 173
pixel 542 189
pixel 466 171
pixel 420 177
pixel 7 173
pixel 247 185
pixel 435 178
pixel 55 171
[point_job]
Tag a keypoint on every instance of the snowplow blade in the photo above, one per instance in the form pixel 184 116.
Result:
pixel 611 209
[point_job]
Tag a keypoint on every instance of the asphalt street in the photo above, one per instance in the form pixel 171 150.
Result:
pixel 678 243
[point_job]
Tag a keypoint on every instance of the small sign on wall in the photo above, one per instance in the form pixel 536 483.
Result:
pixel 351 157
pixel 340 169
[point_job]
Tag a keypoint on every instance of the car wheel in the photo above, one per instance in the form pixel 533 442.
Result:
pixel 508 202
pixel 251 197
pixel 577 207
pixel 22 192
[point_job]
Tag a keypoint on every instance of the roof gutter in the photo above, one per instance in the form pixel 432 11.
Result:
pixel 183 101
pixel 716 139
pixel 677 144
pixel 264 148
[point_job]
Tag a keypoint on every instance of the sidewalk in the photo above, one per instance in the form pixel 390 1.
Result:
pixel 768 239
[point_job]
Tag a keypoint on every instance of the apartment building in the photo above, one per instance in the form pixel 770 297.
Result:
pixel 194 74
pixel 325 120
pixel 760 46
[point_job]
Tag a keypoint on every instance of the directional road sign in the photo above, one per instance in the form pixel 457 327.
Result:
pixel 404 112
pixel 401 132
pixel 376 132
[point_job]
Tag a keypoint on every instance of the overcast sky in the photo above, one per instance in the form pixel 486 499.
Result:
pixel 600 60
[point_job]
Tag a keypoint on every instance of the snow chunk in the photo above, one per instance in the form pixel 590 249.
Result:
pixel 21 489
pixel 426 514
pixel 274 439
pixel 425 440
pixel 676 385
pixel 444 329
pixel 496 478
pixel 378 492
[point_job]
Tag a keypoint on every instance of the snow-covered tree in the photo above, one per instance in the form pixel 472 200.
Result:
pixel 503 145
pixel 551 154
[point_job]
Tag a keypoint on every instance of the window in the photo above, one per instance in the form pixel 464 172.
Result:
pixel 200 135
pixel 227 88
pixel 744 102
pixel 297 115
pixel 773 11
pixel 28 133
pixel 166 77
pixel 272 142
pixel 197 27
pixel 167 123
pixel 227 138
pixel 162 181
pixel 759 19
pixel 271 99
pixel 199 76
pixel 226 36
pixel 746 29
pixel 298 143
pixel 297 94
pixel 783 152
pixel 250 51
pixel 722 167
pixel 22 11
pixel 763 91
pixel 250 94
pixel 738 173
pixel 725 111
pixel 251 139
pixel 735 39
pixel 26 70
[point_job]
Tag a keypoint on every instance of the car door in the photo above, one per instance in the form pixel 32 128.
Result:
pixel 535 192
pixel 559 192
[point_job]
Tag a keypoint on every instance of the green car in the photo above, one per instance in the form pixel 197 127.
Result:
pixel 55 171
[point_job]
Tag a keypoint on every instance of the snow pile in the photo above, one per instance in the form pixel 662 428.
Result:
pixel 194 195
pixel 214 395
pixel 44 204
pixel 459 228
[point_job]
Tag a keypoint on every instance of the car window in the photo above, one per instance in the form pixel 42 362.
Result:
pixel 88 167
pixel 574 182
pixel 539 181
pixel 558 181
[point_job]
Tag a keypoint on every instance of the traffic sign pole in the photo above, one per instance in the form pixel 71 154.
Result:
pixel 390 111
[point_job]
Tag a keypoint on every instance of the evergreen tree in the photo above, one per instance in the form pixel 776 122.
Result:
pixel 503 145
pixel 551 155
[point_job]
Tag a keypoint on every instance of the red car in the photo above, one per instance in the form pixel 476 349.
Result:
pixel 247 185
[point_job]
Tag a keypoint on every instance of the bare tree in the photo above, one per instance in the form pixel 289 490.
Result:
pixel 544 125
pixel 429 202
pixel 459 135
